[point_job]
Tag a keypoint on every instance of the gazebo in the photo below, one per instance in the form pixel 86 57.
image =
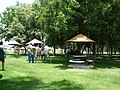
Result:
pixel 83 40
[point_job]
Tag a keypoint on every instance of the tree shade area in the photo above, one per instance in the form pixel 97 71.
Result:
pixel 56 21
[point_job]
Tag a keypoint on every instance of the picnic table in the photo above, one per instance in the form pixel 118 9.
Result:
pixel 80 59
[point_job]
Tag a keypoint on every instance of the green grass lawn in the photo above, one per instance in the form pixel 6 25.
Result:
pixel 21 75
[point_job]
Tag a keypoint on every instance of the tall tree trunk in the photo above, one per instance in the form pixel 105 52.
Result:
pixel 54 49
pixel 107 50
pixel 115 50
pixel 102 48
pixel 111 51
pixel 25 50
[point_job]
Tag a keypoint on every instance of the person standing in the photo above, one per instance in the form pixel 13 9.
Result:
pixel 37 52
pixel 16 51
pixel 2 55
pixel 29 52
pixel 68 53
pixel 32 51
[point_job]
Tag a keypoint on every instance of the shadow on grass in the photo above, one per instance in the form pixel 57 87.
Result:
pixel 31 83
pixel 99 63
pixel 2 70
pixel 19 83
pixel 63 67
pixel 107 63
pixel 66 85
pixel 102 63
pixel 61 61
pixel 61 85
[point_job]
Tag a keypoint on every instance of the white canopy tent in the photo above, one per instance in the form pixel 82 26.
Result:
pixel 13 43
pixel 35 41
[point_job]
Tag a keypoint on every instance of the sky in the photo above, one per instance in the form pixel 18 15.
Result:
pixel 8 3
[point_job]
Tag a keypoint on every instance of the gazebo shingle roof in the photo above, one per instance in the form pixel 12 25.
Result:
pixel 80 38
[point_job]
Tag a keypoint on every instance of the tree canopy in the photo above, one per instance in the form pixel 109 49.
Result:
pixel 56 21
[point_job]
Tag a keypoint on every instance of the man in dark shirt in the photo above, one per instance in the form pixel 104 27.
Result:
pixel 2 55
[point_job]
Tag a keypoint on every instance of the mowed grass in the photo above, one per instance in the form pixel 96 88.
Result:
pixel 21 75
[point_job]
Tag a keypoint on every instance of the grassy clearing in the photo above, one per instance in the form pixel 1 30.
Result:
pixel 21 75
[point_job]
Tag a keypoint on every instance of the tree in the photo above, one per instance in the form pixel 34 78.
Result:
pixel 21 21
pixel 56 21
